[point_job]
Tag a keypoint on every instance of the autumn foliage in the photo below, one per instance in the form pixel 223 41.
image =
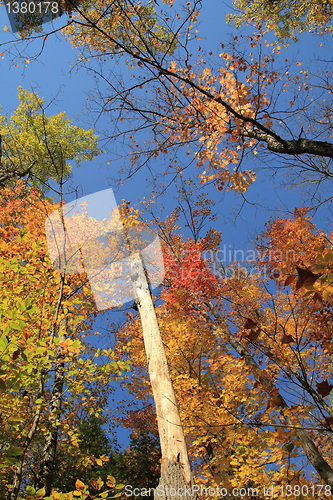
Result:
pixel 249 347
pixel 45 358
pixel 250 356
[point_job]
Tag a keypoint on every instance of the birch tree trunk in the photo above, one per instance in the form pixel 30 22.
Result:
pixel 45 474
pixel 175 469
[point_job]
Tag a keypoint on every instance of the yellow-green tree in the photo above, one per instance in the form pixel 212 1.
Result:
pixel 39 147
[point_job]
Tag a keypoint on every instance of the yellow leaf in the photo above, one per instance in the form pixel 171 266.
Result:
pixel 6 28
pixel 99 461
pixel 79 485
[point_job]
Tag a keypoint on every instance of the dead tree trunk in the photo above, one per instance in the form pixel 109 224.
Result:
pixel 175 471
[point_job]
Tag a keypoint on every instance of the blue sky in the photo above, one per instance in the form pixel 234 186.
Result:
pixel 50 75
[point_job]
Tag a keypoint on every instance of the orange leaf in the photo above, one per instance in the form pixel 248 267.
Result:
pixel 94 483
pixel 289 280
pixel 79 485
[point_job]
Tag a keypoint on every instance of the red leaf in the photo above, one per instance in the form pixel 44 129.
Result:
pixel 274 402
pixel 16 354
pixel 318 299
pixel 94 483
pixel 306 277
pixel 324 388
pixel 289 280
pixel 249 324
pixel 328 422
pixel 253 335
pixel 287 339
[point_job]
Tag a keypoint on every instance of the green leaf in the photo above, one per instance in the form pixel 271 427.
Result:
pixel 289 447
pixel 3 343
pixel 30 490
pixel 328 257
pixel 14 419
pixel 16 326
pixel 15 452
pixel 20 306
pixel 12 314
pixel 11 460
pixel 27 302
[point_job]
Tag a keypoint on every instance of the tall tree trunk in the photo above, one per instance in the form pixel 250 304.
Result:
pixel 175 469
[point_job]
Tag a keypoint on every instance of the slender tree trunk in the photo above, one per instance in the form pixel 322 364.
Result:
pixel 175 470
pixel 50 447
pixel 311 451
pixel 18 470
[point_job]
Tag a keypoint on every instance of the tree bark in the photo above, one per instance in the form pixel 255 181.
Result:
pixel 175 469
pixel 18 470
pixel 50 447
pixel 293 146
